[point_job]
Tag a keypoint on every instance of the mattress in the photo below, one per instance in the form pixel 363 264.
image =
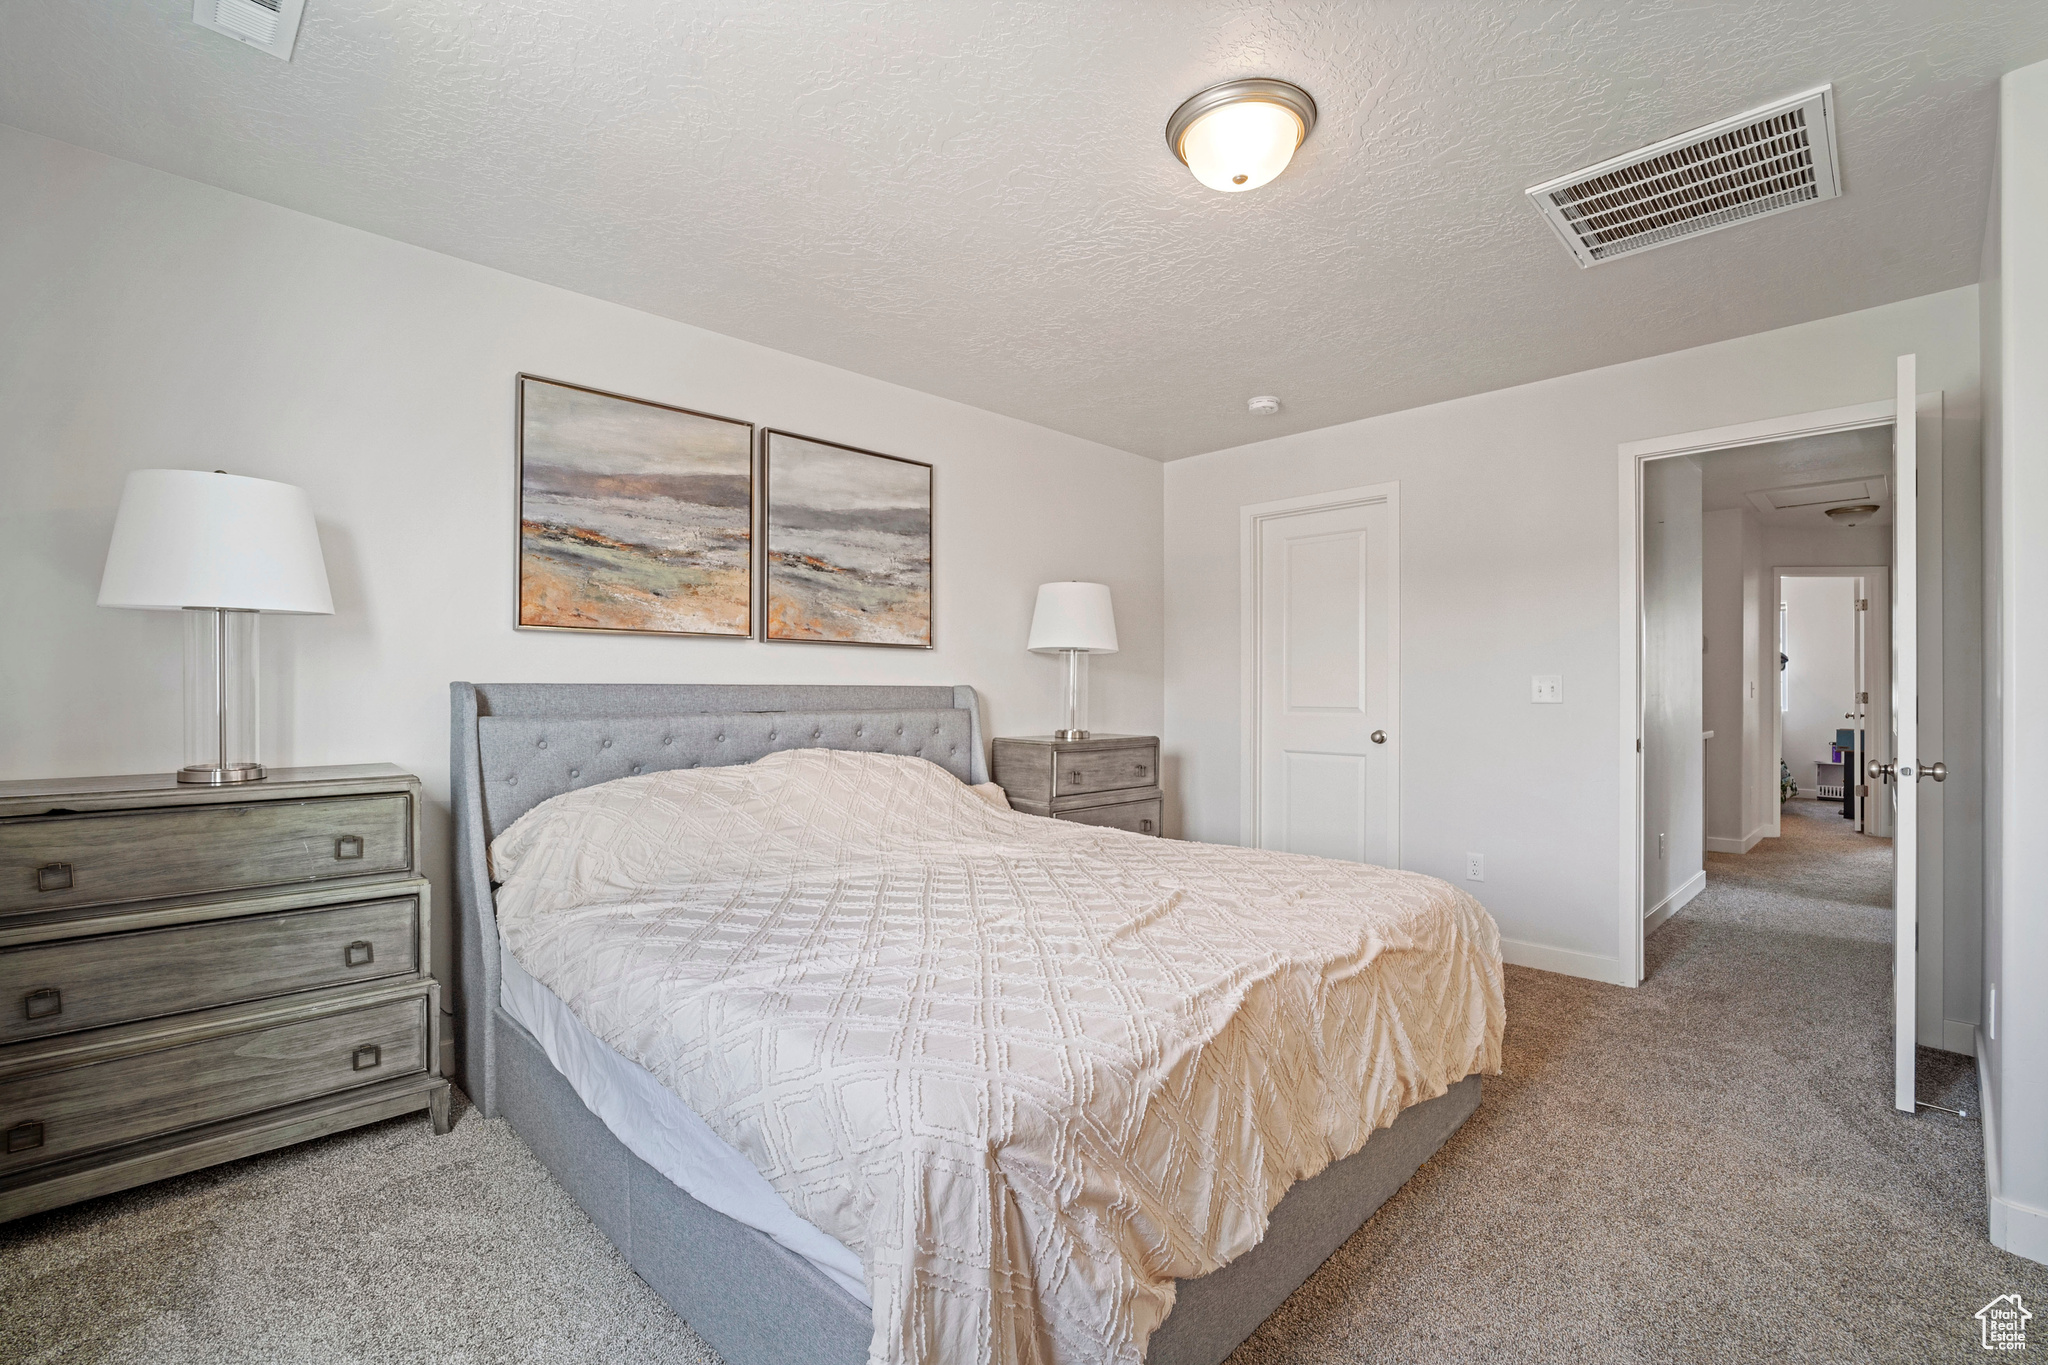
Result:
pixel 1032 1074
pixel 656 1126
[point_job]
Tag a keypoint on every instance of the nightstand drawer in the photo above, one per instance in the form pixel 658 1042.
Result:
pixel 82 983
pixel 1139 817
pixel 1101 770
pixel 51 862
pixel 53 1114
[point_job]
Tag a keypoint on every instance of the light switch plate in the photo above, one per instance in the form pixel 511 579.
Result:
pixel 1547 688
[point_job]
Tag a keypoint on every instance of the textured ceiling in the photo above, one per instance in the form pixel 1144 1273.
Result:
pixel 975 197
pixel 1727 477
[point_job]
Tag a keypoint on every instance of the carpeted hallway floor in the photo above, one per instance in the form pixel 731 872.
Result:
pixel 1706 1168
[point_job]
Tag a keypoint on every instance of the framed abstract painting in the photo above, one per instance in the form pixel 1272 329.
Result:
pixel 633 516
pixel 849 552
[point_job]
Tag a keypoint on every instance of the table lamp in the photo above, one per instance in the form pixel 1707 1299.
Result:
pixel 220 548
pixel 1073 619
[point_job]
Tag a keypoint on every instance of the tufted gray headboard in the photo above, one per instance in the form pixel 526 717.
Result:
pixel 514 745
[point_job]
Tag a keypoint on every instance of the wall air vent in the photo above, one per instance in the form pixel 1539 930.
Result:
pixel 267 25
pixel 1755 164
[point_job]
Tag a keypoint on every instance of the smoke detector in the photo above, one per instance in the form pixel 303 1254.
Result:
pixel 1755 164
pixel 1265 405
pixel 267 25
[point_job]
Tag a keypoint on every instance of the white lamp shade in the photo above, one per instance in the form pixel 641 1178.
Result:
pixel 1073 616
pixel 187 538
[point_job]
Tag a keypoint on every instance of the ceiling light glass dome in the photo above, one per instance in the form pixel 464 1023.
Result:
pixel 1241 134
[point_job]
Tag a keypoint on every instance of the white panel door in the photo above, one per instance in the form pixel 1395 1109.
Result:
pixel 1900 776
pixel 1327 600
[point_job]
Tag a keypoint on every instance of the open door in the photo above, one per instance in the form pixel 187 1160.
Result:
pixel 1901 775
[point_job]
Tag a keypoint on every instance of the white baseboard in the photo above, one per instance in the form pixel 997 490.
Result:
pixel 1563 961
pixel 1742 845
pixel 2019 1228
pixel 1676 901
pixel 1957 1036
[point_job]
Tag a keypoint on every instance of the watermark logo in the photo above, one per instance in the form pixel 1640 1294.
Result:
pixel 2004 1322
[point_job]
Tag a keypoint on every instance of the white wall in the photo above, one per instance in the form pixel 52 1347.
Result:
pixel 2014 1043
pixel 154 321
pixel 1821 641
pixel 1510 568
pixel 1737 685
pixel 1674 773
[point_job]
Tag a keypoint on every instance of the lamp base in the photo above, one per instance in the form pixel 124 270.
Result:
pixel 207 776
pixel 1070 734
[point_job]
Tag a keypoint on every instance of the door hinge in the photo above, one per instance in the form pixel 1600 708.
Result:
pixel 1863 604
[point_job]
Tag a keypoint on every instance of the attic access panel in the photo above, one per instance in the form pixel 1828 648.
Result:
pixel 1765 161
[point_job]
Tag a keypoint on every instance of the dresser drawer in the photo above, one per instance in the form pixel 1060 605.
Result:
pixel 1139 817
pixel 51 862
pixel 85 983
pixel 53 1114
pixel 1101 770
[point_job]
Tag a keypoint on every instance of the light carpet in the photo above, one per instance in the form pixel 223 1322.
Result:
pixel 1706 1168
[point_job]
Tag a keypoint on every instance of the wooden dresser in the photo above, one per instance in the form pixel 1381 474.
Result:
pixel 1102 780
pixel 194 974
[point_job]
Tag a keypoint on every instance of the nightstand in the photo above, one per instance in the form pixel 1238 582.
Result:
pixel 191 974
pixel 1110 780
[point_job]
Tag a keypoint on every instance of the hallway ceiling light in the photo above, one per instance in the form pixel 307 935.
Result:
pixel 1240 134
pixel 1852 516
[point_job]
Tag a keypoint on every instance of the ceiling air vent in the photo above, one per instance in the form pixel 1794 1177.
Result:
pixel 1759 163
pixel 267 25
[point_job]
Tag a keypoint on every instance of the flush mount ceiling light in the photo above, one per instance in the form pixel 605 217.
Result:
pixel 1240 134
pixel 1852 516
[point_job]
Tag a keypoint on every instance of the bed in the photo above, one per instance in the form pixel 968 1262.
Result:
pixel 696 1219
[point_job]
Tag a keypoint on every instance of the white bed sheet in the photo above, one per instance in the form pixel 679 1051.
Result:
pixel 664 1132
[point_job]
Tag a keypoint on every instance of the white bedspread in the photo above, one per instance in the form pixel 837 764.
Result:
pixel 1031 1072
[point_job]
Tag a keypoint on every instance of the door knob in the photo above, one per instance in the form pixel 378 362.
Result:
pixel 1379 736
pixel 1882 771
pixel 1937 771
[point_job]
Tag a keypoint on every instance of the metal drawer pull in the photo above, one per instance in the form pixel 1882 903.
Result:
pixel 367 1056
pixel 53 877
pixel 360 953
pixel 348 846
pixel 1144 826
pixel 42 1004
pixel 24 1137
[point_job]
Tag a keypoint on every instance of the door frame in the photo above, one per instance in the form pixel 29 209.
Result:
pixel 1882 573
pixel 1629 727
pixel 1251 519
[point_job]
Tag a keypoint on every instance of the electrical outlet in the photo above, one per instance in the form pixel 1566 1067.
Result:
pixel 1547 688
pixel 1475 867
pixel 1660 847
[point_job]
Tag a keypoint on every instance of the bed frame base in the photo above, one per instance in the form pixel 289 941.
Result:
pixel 758 1303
